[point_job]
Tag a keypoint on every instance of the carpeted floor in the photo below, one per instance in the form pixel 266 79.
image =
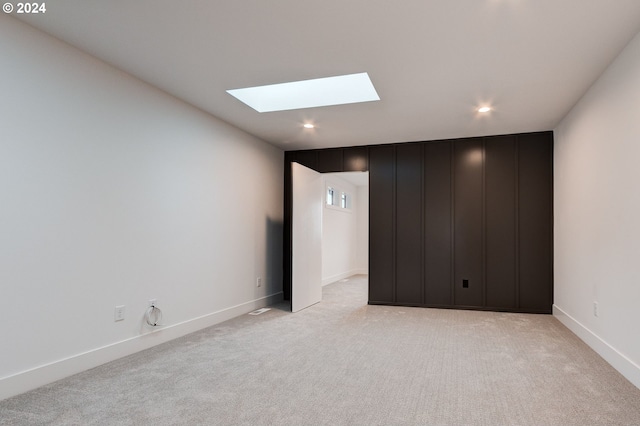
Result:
pixel 341 362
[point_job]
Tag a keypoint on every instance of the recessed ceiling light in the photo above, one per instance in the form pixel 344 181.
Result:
pixel 339 90
pixel 484 109
pixel 308 126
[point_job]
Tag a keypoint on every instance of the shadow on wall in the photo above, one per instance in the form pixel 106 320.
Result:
pixel 273 261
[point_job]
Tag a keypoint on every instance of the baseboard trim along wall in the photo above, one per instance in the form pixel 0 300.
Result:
pixel 45 374
pixel 338 277
pixel 629 369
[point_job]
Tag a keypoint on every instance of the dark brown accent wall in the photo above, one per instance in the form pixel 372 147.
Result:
pixel 500 221
pixel 468 216
pixel 382 183
pixel 464 223
pixel 438 220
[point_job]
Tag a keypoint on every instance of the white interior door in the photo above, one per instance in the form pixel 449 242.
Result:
pixel 306 235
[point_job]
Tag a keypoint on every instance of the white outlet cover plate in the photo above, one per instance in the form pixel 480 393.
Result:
pixel 119 313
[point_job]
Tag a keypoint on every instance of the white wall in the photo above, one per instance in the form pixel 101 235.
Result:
pixel 597 215
pixel 113 192
pixel 342 237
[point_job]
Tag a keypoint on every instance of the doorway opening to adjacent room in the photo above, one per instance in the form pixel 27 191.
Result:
pixel 330 231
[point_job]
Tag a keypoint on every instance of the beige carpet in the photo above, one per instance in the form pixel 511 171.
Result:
pixel 342 362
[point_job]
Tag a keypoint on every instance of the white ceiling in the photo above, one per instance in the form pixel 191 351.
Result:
pixel 433 62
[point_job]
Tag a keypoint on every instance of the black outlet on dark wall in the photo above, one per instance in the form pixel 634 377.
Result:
pixel 465 283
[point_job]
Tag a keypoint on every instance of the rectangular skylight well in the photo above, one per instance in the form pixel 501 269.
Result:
pixel 339 90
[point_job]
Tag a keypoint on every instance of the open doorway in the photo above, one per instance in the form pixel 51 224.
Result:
pixel 329 231
pixel 345 225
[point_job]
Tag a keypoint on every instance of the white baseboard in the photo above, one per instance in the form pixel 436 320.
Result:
pixel 48 373
pixel 629 369
pixel 338 277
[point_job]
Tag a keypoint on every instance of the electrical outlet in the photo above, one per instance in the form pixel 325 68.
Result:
pixel 259 282
pixel 152 302
pixel 119 313
pixel 595 309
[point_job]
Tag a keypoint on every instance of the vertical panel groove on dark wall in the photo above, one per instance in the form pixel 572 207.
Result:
pixel 453 228
pixel 516 221
pixel 394 215
pixel 422 225
pixel 483 234
pixel 549 139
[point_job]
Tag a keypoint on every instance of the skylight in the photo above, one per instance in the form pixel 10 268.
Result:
pixel 339 90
